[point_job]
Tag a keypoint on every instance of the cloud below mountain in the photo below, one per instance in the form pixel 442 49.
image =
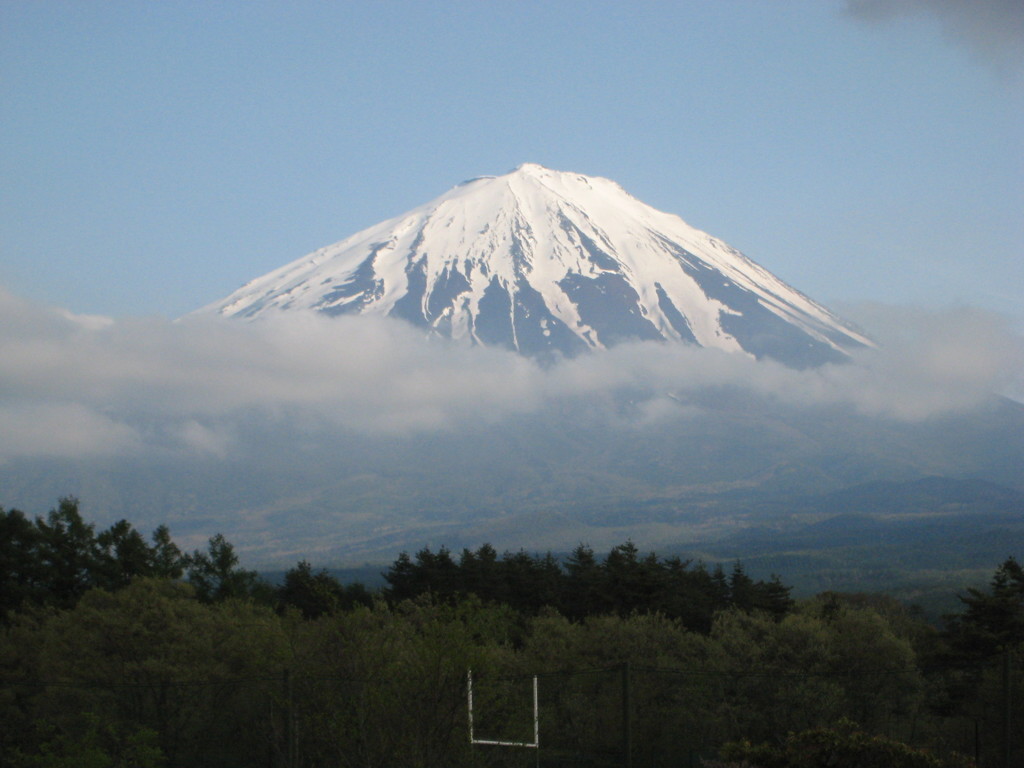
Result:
pixel 78 387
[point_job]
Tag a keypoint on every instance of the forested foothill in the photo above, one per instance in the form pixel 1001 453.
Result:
pixel 121 650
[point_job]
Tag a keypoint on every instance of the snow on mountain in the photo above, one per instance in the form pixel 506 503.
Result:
pixel 553 263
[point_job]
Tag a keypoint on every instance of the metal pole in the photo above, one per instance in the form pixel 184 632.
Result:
pixel 289 723
pixel 627 718
pixel 1007 712
pixel 535 744
pixel 536 721
pixel 469 700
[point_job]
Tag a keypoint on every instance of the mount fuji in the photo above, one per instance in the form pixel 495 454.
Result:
pixel 552 264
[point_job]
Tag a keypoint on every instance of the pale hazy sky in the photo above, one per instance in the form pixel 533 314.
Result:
pixel 155 156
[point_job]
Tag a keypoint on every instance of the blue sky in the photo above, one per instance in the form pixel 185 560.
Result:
pixel 156 156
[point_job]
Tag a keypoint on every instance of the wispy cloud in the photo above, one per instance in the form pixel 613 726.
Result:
pixel 992 29
pixel 78 387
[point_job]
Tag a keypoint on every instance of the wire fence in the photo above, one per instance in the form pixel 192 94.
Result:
pixel 623 715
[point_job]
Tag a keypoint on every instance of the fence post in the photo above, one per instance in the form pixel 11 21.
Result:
pixel 289 720
pixel 627 717
pixel 1007 709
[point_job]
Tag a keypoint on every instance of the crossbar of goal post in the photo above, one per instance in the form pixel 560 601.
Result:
pixel 536 720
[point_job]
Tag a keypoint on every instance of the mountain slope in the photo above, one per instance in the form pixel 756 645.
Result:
pixel 748 476
pixel 546 262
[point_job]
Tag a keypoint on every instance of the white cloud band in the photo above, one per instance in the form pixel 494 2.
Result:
pixel 73 387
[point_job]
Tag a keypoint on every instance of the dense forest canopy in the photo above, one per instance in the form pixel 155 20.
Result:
pixel 122 650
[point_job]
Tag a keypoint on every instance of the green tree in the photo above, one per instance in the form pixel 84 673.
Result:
pixel 843 746
pixel 313 594
pixel 22 574
pixel 123 555
pixel 69 556
pixel 583 593
pixel 994 618
pixel 587 665
pixel 809 670
pixel 150 657
pixel 97 746
pixel 403 579
pixel 386 685
pixel 166 559
pixel 215 574
pixel 986 643
pixel 56 559
pixel 689 594
pixel 317 594
pixel 528 583
pixel 479 573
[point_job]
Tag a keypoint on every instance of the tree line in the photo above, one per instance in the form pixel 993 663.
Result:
pixel 122 650
pixel 623 582
pixel 54 560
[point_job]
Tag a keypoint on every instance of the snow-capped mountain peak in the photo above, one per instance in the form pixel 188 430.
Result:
pixel 548 262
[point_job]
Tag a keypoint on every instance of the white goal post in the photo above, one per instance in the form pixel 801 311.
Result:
pixel 493 742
